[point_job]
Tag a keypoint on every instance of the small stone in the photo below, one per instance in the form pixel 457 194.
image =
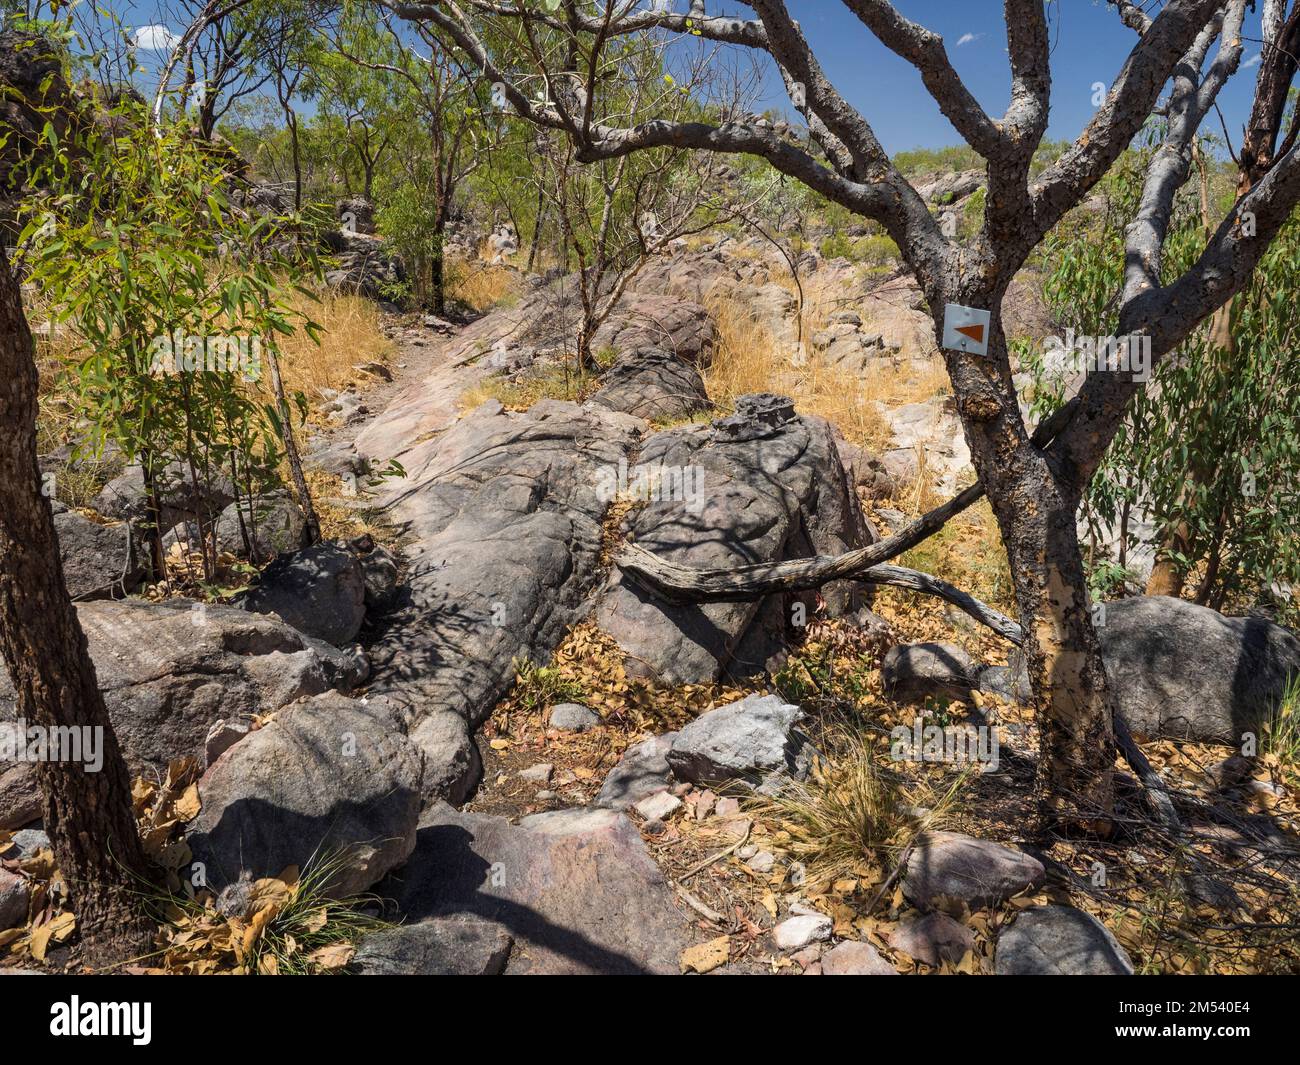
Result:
pixel 815 969
pixel 933 939
pixel 221 737
pixel 762 862
pixel 808 956
pixel 795 933
pixel 546 794
pixel 658 806
pixel 14 895
pixel 747 851
pixel 705 801
pixel 570 717
pixel 654 828
pixel 25 843
pixel 537 774
pixel 855 959
pixel 727 807
pixel 705 957
pixel 974 871
pixel 1059 941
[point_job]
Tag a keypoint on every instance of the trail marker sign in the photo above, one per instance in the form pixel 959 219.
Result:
pixel 966 329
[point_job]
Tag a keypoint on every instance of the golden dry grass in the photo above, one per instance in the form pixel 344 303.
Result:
pixel 350 336
pixel 482 286
pixel 748 358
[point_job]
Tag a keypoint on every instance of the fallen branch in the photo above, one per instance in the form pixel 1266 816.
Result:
pixel 902 577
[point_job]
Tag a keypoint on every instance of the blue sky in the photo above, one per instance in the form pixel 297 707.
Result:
pixel 1089 46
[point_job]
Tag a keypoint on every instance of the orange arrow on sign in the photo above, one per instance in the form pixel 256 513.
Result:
pixel 975 332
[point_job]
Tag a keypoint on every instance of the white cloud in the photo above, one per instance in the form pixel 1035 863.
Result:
pixel 966 38
pixel 154 39
pixel 1253 61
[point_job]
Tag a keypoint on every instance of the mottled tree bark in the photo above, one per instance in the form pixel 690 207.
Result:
pixel 88 815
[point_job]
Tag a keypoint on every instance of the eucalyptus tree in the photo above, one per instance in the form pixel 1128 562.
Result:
pixel 1034 480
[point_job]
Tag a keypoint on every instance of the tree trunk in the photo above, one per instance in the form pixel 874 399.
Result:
pixel 311 524
pixel 88 814
pixel 1037 513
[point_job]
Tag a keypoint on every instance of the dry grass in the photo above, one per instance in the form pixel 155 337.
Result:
pixel 351 336
pixel 482 286
pixel 748 358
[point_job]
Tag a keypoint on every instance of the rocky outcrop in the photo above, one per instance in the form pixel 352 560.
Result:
pixel 761 485
pixel 170 671
pixel 99 561
pixel 653 384
pixel 576 889
pixel 329 777
pixel 503 517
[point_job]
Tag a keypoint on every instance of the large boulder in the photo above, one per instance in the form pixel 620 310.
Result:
pixel 328 776
pixel 646 320
pixel 752 742
pixel 274 524
pixel 976 872
pixel 653 384
pixel 99 561
pixel 320 591
pixel 169 671
pixel 641 772
pixel 1059 941
pixel 1186 672
pixel 181 495
pixel 576 889
pixel 762 485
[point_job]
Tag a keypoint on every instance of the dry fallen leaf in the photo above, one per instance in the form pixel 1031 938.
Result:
pixel 705 957
pixel 334 956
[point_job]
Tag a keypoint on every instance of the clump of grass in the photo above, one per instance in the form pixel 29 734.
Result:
pixel 285 925
pixel 852 812
pixel 350 336
pixel 537 687
pixel 968 552
pixel 1282 733
pixel 482 286
pixel 549 381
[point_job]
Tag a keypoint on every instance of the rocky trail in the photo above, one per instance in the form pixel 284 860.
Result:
pixel 541 767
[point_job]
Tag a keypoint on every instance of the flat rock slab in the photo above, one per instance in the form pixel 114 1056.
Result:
pixel 753 741
pixel 327 776
pixel 576 889
pixel 1059 941
pixel 442 946
pixel 974 871
pixel 855 959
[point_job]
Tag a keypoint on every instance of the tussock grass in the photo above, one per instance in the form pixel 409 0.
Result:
pixel 350 335
pixel 482 286
pixel 1282 734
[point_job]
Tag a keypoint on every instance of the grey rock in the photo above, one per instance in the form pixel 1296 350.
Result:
pixel 576 889
pixel 795 933
pixel 974 871
pixel 752 741
pixel 320 591
pixel 14 895
pixel 180 496
pixel 933 938
pixel 1059 941
pixel 441 946
pixel 325 776
pixel 570 717
pixel 768 486
pixel 380 573
pixel 99 561
pixel 452 763
pixel 642 771
pixel 275 524
pixel 1186 672
pixel 855 959
pixel 659 806
pixel 537 774
pixel 914 672
pixel 502 516
pixel 170 670
pixel 25 843
pixel 652 384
